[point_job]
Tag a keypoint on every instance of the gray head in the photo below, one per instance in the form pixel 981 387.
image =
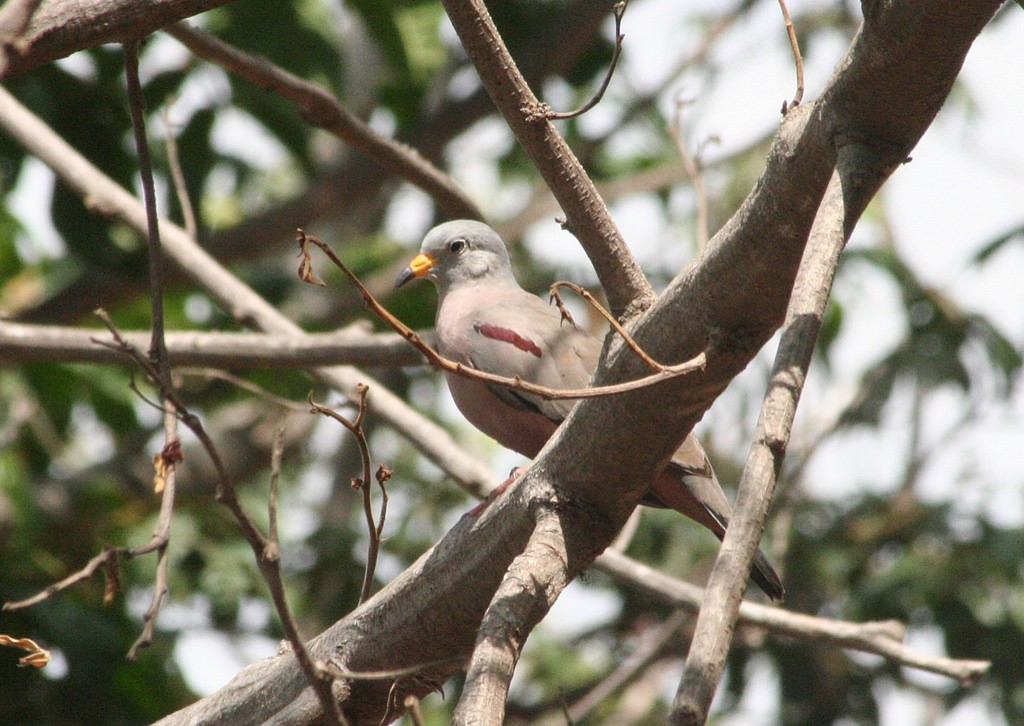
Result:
pixel 459 251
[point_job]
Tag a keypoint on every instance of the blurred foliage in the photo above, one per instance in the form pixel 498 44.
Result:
pixel 76 443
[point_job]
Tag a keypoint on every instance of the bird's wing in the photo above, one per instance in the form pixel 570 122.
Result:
pixel 522 336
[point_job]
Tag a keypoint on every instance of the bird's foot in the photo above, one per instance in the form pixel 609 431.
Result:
pixel 496 492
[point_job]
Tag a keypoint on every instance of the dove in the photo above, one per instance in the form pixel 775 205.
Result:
pixel 487 321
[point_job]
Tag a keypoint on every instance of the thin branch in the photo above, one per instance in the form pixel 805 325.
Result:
pixel 845 198
pixel 276 456
pixel 646 654
pixel 355 427
pixel 592 301
pixel 628 290
pixel 618 10
pixel 166 462
pixel 798 60
pixel 664 372
pixel 318 675
pixel 355 345
pixel 100 560
pixel 321 109
pixel 239 300
pixel 188 213
pixel 884 638
pixel 395 674
pixel 267 551
pixel 413 711
pixel 245 385
pixel 692 165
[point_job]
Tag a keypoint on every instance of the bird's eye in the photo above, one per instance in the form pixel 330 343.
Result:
pixel 457 246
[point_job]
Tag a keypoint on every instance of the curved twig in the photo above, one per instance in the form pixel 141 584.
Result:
pixel 355 427
pixel 585 294
pixel 619 10
pixel 664 372
pixel 797 60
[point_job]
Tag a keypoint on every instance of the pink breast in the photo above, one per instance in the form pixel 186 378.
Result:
pixel 521 430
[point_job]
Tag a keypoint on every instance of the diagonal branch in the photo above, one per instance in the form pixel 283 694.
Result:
pixel 884 638
pixel 59 28
pixel 321 109
pixel 234 296
pixel 587 216
pixel 618 11
pixel 847 195
pixel 525 595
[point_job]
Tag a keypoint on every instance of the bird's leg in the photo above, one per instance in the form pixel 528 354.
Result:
pixel 516 472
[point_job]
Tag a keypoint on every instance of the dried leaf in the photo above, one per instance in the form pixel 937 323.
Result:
pixel 37 657
pixel 305 271
pixel 164 462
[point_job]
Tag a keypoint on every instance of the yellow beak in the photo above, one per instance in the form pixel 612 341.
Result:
pixel 420 266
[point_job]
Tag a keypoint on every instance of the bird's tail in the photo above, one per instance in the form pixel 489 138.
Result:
pixel 697 494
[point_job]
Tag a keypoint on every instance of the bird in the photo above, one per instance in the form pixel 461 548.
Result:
pixel 487 321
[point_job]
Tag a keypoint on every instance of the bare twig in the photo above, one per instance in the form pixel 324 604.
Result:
pixel 619 10
pixel 260 391
pixel 412 708
pixel 797 60
pixel 664 372
pixel 167 460
pixel 884 638
pixel 397 673
pixel 188 213
pixel 266 550
pixel 100 560
pixel 355 427
pixel 321 109
pixel 624 283
pixel 692 165
pixel 592 301
pixel 648 651
pixel 276 456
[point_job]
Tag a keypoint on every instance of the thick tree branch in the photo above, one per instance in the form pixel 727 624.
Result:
pixel 586 214
pixel 59 28
pixel 735 296
pixel 524 597
pixel 15 16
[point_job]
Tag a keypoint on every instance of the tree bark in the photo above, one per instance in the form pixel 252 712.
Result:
pixel 884 94
pixel 59 28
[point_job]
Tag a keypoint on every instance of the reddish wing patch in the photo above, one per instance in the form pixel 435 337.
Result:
pixel 508 336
